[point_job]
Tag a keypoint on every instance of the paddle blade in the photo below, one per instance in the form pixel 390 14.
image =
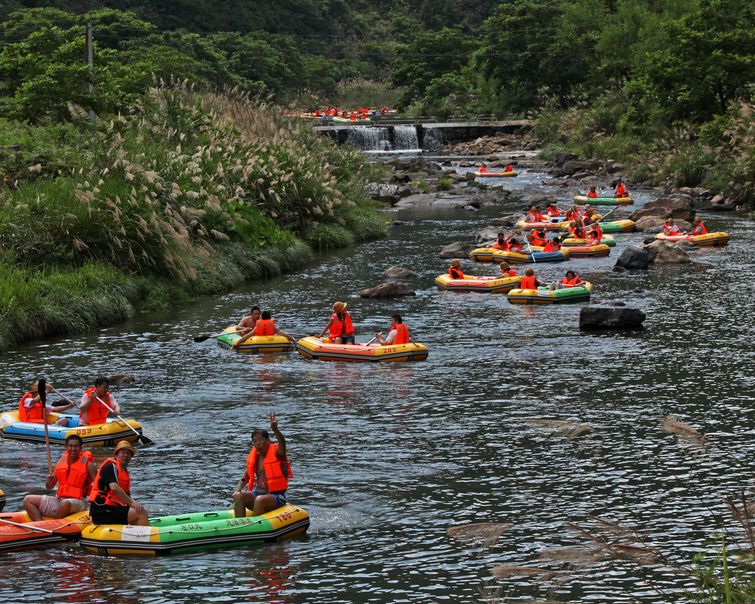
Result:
pixel 202 338
pixel 42 388
pixel 147 442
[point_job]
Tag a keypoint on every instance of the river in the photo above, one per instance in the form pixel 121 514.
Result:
pixel 388 457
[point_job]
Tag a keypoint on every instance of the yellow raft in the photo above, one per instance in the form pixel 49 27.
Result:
pixel 256 344
pixel 99 435
pixel 495 174
pixel 471 283
pixel 544 295
pixel 325 350
pixel 717 239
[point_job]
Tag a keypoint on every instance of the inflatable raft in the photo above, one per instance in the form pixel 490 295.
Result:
pixel 325 350
pixel 18 532
pixel 470 283
pixel 194 532
pixel 496 174
pixel 717 239
pixel 618 226
pixel 603 201
pixel 257 344
pixel 571 241
pixel 545 295
pixel 2 500
pixel 589 251
pixel 100 435
pixel 535 257
pixel 560 223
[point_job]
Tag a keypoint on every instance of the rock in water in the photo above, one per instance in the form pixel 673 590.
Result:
pixel 399 272
pixel 387 290
pixel 633 258
pixel 665 252
pixel 610 317
pixel 457 249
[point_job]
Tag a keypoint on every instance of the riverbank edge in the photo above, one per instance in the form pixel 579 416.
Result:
pixel 63 301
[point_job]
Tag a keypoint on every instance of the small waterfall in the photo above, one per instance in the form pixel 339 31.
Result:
pixel 405 138
pixel 369 138
pixel 433 139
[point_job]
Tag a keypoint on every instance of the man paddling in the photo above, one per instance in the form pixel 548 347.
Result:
pixel 92 411
pixel 249 322
pixel 265 327
pixel 266 475
pixel 110 497
pixel 73 474
pixel 398 334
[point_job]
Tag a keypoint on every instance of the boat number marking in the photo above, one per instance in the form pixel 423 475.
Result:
pixel 285 516
pixel 191 527
pixel 83 431
pixel 239 521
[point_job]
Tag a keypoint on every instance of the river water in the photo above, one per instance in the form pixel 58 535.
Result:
pixel 388 457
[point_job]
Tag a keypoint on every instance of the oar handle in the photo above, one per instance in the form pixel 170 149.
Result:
pixel 65 398
pixel 373 339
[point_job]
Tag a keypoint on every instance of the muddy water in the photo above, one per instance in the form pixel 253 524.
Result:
pixel 386 458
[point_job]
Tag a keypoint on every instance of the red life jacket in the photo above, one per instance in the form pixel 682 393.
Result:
pixel 277 477
pixel 121 477
pixel 594 237
pixel 509 273
pixel 515 247
pixel 553 212
pixel 535 217
pixel 340 328
pixel 73 479
pixel 699 230
pixel 621 190
pixel 671 230
pixel 96 413
pixel 592 195
pixel 455 273
pixel 537 240
pixel 508 168
pixel 265 327
pixel 483 169
pixel 34 414
pixel 528 282
pixel 549 247
pixel 402 334
pixel 499 246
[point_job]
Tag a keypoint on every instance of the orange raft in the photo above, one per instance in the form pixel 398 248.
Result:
pixel 717 239
pixel 317 349
pixel 18 532
pixel 471 283
pixel 504 174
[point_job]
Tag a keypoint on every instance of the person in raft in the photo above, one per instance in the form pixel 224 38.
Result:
pixel 529 281
pixel 509 168
pixel 506 270
pixel 537 237
pixel 266 476
pixel 73 474
pixel 454 271
pixel 592 193
pixel 552 245
pixel 515 246
pixel 110 498
pixel 669 228
pixel 620 190
pixel 552 210
pixel 31 408
pixel 93 411
pixel 398 333
pixel 500 243
pixel 595 235
pixel 699 228
pixel 264 327
pixel 534 215
pixel 340 328
pixel 248 322
pixel 483 169
pixel 570 280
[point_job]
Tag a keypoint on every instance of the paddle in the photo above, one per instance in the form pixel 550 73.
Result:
pixel 602 218
pixel 145 441
pixel 532 253
pixel 39 529
pixel 206 337
pixel 373 339
pixel 42 390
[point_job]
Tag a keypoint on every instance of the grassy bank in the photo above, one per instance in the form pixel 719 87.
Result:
pixel 718 155
pixel 187 194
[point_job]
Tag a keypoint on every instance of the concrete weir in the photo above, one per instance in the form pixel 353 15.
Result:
pixel 426 136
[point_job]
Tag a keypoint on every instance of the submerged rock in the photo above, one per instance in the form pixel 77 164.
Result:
pixel 399 272
pixel 610 317
pixel 387 290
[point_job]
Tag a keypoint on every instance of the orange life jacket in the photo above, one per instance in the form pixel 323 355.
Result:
pixel 592 195
pixel 528 282
pixel 553 212
pixel 483 169
pixel 537 240
pixel 121 477
pixel 621 190
pixel 594 237
pixel 455 273
pixel 265 327
pixel 550 247
pixel 73 479
pixel 535 217
pixel 499 246
pixel 572 215
pixel 699 230
pixel 515 247
pixel 577 280
pixel 509 168
pixel 34 414
pixel 277 472
pixel 402 334
pixel 509 273
pixel 340 328
pixel 96 413
pixel 671 230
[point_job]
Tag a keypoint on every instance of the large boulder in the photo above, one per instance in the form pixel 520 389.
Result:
pixel 387 290
pixel 633 258
pixel 394 273
pixel 665 252
pixel 382 191
pixel 677 206
pixel 488 233
pixel 457 249
pixel 506 221
pixel 610 317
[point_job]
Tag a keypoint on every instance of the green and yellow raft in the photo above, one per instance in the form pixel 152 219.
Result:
pixel 256 344
pixel 200 531
pixel 544 295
